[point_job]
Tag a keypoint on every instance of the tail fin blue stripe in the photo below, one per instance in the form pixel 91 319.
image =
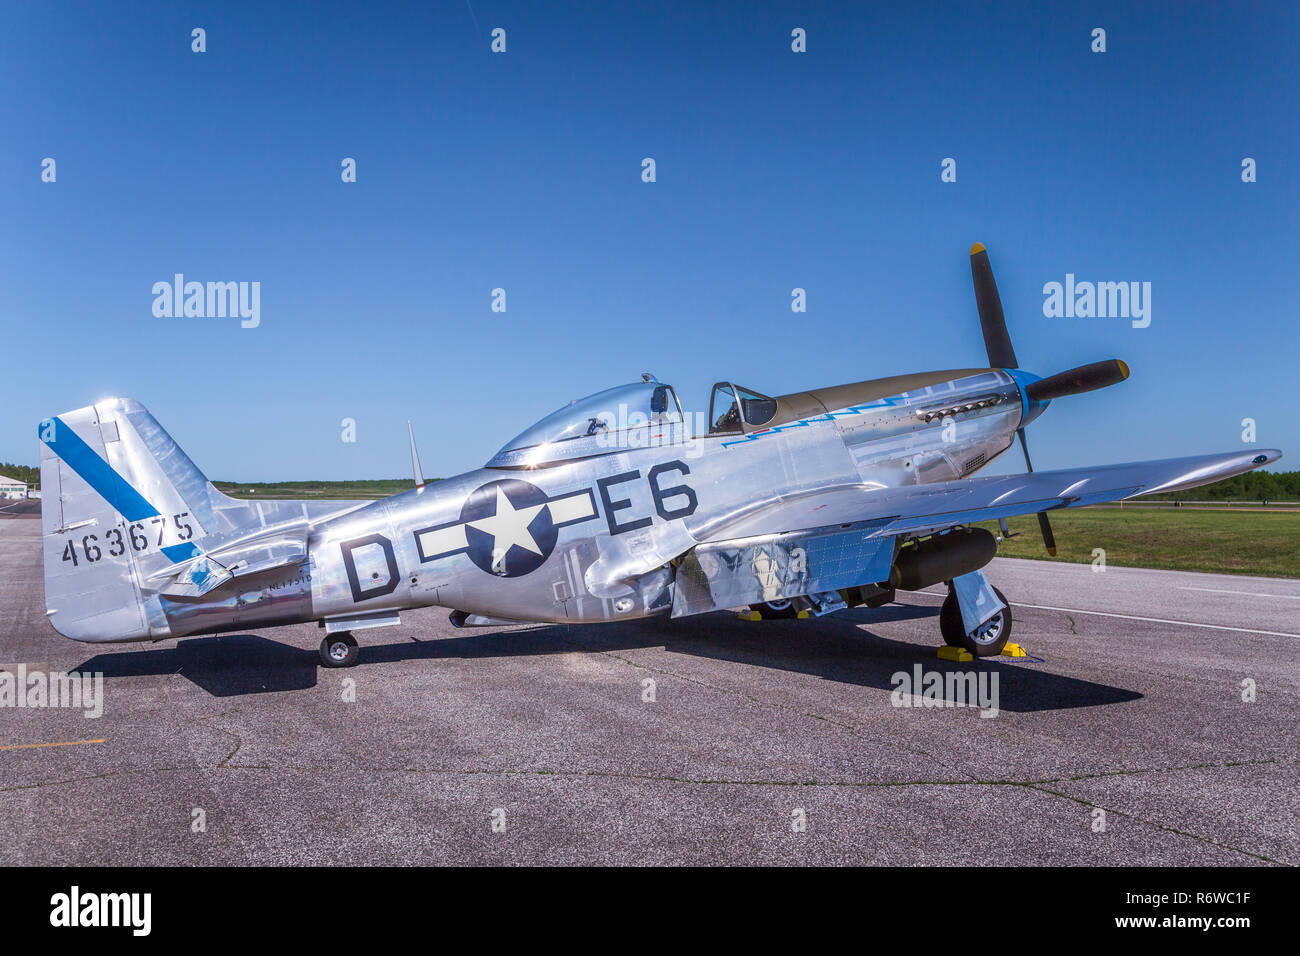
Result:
pixel 108 484
pixel 99 474
pixel 181 552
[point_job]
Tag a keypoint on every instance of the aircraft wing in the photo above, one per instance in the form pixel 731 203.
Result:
pixel 844 536
pixel 916 509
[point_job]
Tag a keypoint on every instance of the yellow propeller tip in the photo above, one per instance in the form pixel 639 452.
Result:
pixel 1123 367
pixel 1052 552
pixel 977 248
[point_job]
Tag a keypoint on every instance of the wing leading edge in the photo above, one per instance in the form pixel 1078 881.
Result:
pixel 920 509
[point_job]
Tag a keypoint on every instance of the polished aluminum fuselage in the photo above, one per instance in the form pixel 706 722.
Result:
pixel 617 518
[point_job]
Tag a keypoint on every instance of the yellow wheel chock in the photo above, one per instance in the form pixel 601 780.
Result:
pixel 752 615
pixel 961 655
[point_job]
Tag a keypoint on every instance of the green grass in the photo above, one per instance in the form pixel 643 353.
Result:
pixel 1225 542
pixel 368 489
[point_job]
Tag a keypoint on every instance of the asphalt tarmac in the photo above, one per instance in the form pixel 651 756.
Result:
pixel 1123 738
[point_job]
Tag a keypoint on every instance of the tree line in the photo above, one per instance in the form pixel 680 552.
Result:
pixel 32 476
pixel 1251 486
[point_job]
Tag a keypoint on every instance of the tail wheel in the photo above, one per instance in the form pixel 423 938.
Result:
pixel 988 640
pixel 776 610
pixel 339 650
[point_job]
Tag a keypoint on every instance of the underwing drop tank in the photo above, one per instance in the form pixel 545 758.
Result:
pixel 942 558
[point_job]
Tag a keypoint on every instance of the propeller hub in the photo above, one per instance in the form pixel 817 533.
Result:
pixel 1030 408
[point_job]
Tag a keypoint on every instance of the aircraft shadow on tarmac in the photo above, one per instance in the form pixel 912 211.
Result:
pixel 836 648
pixel 229 666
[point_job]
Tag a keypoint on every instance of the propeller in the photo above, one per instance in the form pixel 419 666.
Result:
pixel 997 342
pixel 996 339
pixel 1085 378
pixel 1045 526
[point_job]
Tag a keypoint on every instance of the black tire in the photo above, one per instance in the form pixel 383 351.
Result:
pixel 339 650
pixel 776 610
pixel 950 621
pixel 988 641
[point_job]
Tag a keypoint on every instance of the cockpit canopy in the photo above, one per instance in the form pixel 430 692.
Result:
pixel 734 408
pixel 627 416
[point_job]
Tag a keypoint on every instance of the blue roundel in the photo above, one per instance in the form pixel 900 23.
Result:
pixel 508 527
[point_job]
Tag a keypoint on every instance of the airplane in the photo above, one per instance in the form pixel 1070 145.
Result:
pixel 608 509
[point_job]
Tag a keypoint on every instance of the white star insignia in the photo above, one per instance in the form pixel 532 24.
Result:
pixel 509 526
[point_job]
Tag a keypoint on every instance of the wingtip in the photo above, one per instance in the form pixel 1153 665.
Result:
pixel 977 248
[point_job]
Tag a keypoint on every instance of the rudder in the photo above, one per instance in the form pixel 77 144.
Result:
pixel 121 501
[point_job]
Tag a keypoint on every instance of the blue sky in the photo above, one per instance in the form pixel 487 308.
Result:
pixel 522 170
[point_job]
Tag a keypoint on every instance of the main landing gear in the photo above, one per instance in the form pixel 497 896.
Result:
pixel 776 610
pixel 816 604
pixel 338 650
pixel 988 639
pixel 975 619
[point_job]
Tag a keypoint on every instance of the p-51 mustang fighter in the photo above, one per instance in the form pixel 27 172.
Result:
pixel 608 509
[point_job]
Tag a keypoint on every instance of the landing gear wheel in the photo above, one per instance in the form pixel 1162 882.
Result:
pixel 338 650
pixel 951 629
pixel 776 610
pixel 992 635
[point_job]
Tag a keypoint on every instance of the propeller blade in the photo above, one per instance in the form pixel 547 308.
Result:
pixel 1049 539
pixel 1020 433
pixel 1045 526
pixel 996 340
pixel 1085 378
